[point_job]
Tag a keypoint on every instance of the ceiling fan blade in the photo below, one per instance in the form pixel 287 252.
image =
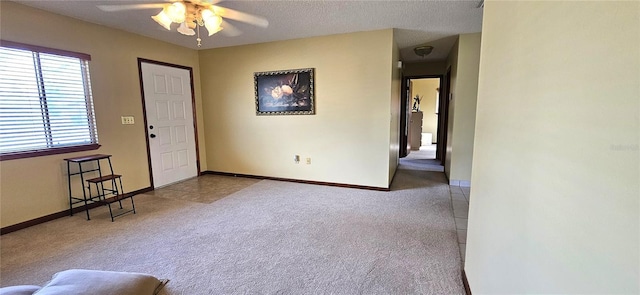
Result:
pixel 229 30
pixel 213 2
pixel 121 7
pixel 241 16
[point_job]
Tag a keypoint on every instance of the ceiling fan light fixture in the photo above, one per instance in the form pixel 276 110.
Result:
pixel 163 19
pixel 212 30
pixel 185 30
pixel 211 21
pixel 206 14
pixel 190 15
pixel 193 14
pixel 176 12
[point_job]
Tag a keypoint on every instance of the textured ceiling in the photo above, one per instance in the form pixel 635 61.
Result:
pixel 416 23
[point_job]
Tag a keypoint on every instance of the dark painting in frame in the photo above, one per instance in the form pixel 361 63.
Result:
pixel 286 92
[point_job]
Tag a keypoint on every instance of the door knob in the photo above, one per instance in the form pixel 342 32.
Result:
pixel 152 135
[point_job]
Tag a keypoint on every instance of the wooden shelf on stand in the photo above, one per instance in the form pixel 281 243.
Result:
pixel 112 181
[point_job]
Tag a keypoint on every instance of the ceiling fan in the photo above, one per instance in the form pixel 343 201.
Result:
pixel 193 14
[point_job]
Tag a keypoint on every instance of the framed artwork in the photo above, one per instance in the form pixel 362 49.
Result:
pixel 287 92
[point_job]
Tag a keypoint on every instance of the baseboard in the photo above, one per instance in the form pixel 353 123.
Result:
pixel 465 282
pixel 43 219
pixel 463 183
pixel 299 181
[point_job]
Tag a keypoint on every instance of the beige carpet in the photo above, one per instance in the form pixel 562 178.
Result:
pixel 423 159
pixel 268 238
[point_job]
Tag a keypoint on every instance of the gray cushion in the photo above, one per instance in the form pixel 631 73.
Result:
pixel 82 281
pixel 19 290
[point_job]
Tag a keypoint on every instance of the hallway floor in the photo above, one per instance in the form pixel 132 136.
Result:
pixel 425 160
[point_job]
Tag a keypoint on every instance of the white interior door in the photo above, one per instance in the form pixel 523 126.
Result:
pixel 169 110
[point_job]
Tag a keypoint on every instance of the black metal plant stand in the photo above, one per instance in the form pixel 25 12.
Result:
pixel 102 192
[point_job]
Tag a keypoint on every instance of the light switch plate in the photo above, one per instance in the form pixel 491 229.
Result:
pixel 127 120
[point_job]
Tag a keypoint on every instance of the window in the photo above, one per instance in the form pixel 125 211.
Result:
pixel 46 106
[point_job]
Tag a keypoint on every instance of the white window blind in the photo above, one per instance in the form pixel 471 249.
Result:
pixel 45 101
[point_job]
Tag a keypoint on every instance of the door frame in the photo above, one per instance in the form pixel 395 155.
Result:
pixel 443 121
pixel 144 112
pixel 404 119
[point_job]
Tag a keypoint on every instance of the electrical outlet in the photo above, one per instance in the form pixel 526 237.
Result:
pixel 127 120
pixel 308 161
pixel 296 159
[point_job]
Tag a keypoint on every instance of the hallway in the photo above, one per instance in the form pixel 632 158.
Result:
pixel 425 160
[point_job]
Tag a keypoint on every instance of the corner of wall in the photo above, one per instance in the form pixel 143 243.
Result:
pixel 464 60
pixel 394 133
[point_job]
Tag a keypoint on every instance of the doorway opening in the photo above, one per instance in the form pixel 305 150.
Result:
pixel 420 122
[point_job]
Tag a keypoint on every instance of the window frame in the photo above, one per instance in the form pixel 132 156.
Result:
pixel 55 150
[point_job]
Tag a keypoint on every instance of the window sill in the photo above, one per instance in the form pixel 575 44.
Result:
pixel 48 152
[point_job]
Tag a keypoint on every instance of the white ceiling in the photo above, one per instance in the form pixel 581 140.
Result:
pixel 415 22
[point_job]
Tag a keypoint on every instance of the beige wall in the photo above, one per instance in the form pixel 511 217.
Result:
pixel 555 195
pixel 34 187
pixel 348 139
pixel 427 89
pixel 464 60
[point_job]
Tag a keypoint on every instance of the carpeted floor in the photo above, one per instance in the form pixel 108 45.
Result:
pixel 423 159
pixel 268 238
